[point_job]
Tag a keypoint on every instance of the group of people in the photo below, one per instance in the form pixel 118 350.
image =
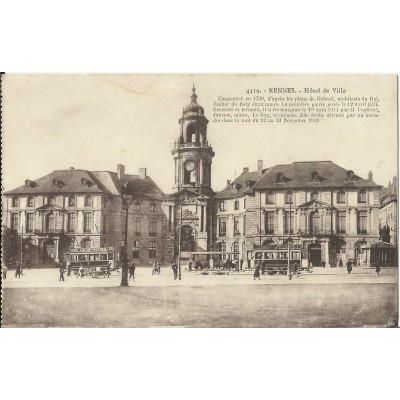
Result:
pixel 18 268
pixel 156 268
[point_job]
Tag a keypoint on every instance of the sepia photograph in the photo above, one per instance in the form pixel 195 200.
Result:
pixel 200 201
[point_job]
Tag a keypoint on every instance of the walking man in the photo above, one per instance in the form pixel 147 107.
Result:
pixel 62 273
pixel 158 268
pixel 257 271
pixel 349 267
pixel 154 268
pixel 108 269
pixel 241 264
pixel 377 269
pixel 69 270
pixel 175 269
pixel 4 270
pixel 17 270
pixel 340 263
pixel 132 270
pixel 80 272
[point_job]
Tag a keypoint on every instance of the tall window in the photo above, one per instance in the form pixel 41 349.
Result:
pixel 269 222
pixel 153 207
pixel 362 222
pixel 315 223
pixel 152 226
pixel 51 222
pixel 71 222
pixel 362 197
pixel 236 226
pixel 269 198
pixel 136 249
pixel 30 201
pixel 152 250
pixel 235 250
pixel 71 201
pixel 222 205
pixel 222 249
pixel 87 222
pixel 236 205
pixel 137 206
pixel 222 226
pixel 136 226
pixel 191 134
pixel 15 202
pixel 314 195
pixel 289 219
pixel 288 198
pixel 29 222
pixel 341 221
pixel 14 221
pixel 341 197
pixel 88 201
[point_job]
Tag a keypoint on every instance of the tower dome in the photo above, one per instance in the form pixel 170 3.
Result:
pixel 193 106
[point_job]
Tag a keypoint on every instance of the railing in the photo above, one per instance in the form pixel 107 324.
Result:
pixel 46 231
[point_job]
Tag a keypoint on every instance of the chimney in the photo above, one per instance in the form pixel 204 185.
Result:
pixel 245 170
pixel 121 171
pixel 259 167
pixel 370 176
pixel 142 173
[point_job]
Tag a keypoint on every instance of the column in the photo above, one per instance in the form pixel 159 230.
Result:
pixel 200 181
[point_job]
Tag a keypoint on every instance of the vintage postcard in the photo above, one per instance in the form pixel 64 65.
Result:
pixel 199 200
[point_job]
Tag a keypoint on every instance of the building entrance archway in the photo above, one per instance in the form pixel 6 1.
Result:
pixel 314 254
pixel 48 250
pixel 188 239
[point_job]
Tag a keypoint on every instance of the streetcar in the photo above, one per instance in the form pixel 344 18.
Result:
pixel 275 261
pixel 93 260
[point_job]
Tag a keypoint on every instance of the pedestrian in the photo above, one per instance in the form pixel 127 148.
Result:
pixel 69 269
pixel 28 264
pixel 190 265
pixel 340 263
pixel 263 267
pixel 349 267
pixel 154 272
pixel 17 270
pixel 377 269
pixel 4 270
pixel 175 270
pixel 296 270
pixel 131 267
pixel 80 271
pixel 108 270
pixel 158 268
pixel 241 264
pixel 62 273
pixel 257 271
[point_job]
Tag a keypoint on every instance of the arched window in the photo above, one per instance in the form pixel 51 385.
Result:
pixel 362 196
pixel 191 134
pixel 315 223
pixel 30 201
pixel 341 197
pixel 314 195
pixel 88 201
pixel 86 244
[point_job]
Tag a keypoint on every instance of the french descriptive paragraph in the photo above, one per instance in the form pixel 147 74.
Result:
pixel 294 106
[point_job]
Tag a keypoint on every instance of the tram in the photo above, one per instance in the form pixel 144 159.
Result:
pixel 276 260
pixel 97 258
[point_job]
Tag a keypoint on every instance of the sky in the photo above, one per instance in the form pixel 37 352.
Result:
pixel 95 122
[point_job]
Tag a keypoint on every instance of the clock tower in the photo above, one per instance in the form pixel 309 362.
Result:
pixel 190 206
pixel 192 152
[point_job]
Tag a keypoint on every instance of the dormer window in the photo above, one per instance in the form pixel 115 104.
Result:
pixel 58 183
pixel 30 201
pixel 314 176
pixel 29 183
pixel 361 197
pixel 15 202
pixel 86 182
pixel 314 195
pixel 280 178
pixel 88 201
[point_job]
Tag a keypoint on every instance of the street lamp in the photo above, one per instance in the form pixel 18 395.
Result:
pixel 126 201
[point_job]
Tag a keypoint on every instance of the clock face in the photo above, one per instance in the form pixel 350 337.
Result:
pixel 189 166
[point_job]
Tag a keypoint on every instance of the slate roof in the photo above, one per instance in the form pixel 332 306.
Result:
pixel 96 182
pixel 311 174
pixel 238 187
